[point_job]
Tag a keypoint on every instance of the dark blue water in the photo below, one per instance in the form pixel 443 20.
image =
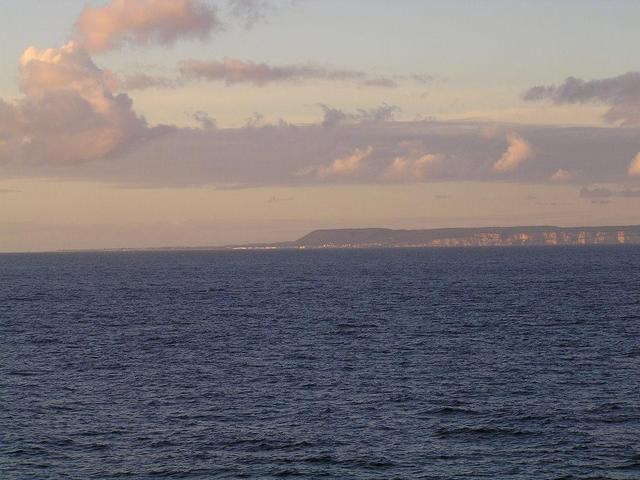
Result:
pixel 510 363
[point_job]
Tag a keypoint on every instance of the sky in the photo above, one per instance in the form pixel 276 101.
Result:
pixel 166 123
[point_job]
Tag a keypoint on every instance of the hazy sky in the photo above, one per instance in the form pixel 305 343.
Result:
pixel 134 123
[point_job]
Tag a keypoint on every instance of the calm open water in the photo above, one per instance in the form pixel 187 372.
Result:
pixel 507 363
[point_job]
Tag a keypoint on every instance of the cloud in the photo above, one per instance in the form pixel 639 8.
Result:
pixel 68 68
pixel 422 78
pixel 634 166
pixel 629 193
pixel 282 154
pixel 603 192
pixel 274 199
pixel 251 12
pixel 517 152
pixel 345 165
pixel 143 22
pixel 381 113
pixel 342 166
pixel 620 93
pixel 69 113
pixel 255 121
pixel 561 175
pixel 333 116
pixel 204 120
pixel 414 167
pixel 233 71
pixel 142 81
pixel 596 193
pixel 379 81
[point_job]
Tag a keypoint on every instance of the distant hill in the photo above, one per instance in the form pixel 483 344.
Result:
pixel 463 237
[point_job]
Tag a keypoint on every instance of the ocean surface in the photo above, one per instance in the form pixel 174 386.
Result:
pixel 501 363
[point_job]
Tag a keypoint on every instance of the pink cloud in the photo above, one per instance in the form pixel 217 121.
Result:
pixel 634 166
pixel 345 165
pixel 517 152
pixel 140 22
pixel 411 168
pixel 69 113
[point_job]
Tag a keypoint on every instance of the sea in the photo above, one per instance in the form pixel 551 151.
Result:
pixel 468 363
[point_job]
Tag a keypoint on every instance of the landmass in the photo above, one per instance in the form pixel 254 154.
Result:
pixel 459 237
